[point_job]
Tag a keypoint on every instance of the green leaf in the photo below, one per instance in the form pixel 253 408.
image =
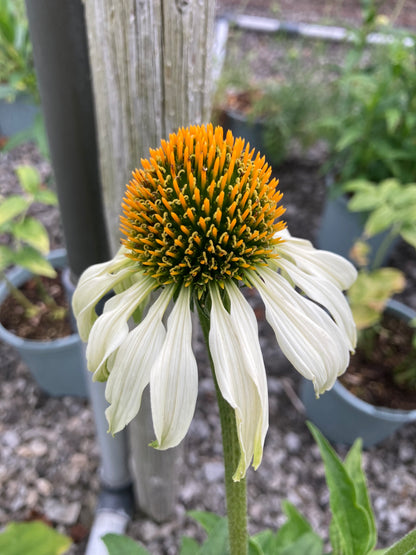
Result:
pixel 364 200
pixel 265 539
pixel 294 528
pixel 335 538
pixel 33 233
pixel 254 547
pixel 353 465
pixel 349 137
pixel 308 543
pixel 217 540
pixel 11 207
pixel 29 178
pixel 409 235
pixel 29 258
pixel 349 517
pixel 206 519
pixel 32 538
pixel 405 546
pixel 189 546
pixel 46 196
pixel 381 219
pixel 393 117
pixel 370 292
pixel 118 544
pixel 6 257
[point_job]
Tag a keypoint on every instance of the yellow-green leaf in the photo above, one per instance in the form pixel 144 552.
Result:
pixel 30 259
pixel 29 178
pixel 32 232
pixel 6 257
pixel 32 538
pixel 46 196
pixel 11 207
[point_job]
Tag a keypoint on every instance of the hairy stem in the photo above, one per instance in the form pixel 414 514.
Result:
pixel 236 492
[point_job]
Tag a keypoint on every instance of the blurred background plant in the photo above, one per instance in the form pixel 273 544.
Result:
pixel 285 105
pixel 26 241
pixel 371 133
pixel 17 72
pixel 18 81
pixel 391 208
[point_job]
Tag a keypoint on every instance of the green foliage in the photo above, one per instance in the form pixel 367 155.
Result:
pixel 371 132
pixel 32 538
pixel 17 72
pixel 369 294
pixel 391 206
pixel 352 529
pixel 285 105
pixel 118 544
pixel 28 238
pixel 405 546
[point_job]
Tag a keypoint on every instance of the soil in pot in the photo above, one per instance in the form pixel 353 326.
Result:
pixel 370 376
pixel 43 326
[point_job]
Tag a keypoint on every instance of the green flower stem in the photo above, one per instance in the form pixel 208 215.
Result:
pixel 385 244
pixel 30 308
pixel 57 312
pixel 235 492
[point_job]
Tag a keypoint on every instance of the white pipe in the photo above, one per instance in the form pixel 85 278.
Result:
pixel 220 46
pixel 107 521
pixel 325 32
pixel 114 469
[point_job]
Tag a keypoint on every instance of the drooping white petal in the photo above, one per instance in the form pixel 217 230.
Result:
pixel 131 365
pixel 240 372
pixel 94 283
pixel 324 292
pixel 307 335
pixel 174 377
pixel 317 262
pixel 111 328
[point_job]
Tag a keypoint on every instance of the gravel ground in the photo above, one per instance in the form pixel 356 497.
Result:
pixel 49 457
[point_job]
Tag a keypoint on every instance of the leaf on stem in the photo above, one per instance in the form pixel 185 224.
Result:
pixel 352 525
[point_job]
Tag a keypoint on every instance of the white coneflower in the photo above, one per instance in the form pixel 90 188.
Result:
pixel 202 220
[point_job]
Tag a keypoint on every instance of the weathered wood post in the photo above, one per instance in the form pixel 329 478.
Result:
pixel 151 63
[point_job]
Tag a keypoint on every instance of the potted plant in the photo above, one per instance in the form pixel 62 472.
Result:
pixel 34 315
pixel 18 87
pixel 371 131
pixel 273 115
pixel 377 394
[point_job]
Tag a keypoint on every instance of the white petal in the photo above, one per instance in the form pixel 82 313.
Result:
pixel 240 372
pixel 174 378
pixel 111 328
pixel 131 365
pixel 93 284
pixel 317 262
pixel 308 337
pixel 324 292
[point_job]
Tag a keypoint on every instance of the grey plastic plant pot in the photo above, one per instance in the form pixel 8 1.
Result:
pixel 18 115
pixel 343 418
pixel 58 365
pixel 240 126
pixel 340 228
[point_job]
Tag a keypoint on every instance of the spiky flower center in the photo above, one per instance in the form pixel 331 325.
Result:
pixel 201 209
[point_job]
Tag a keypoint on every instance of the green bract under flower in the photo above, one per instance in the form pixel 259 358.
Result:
pixel 201 210
pixel 201 219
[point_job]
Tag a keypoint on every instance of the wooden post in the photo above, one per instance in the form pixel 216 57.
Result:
pixel 151 67
pixel 151 63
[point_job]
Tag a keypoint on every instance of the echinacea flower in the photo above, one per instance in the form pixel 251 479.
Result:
pixel 202 220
